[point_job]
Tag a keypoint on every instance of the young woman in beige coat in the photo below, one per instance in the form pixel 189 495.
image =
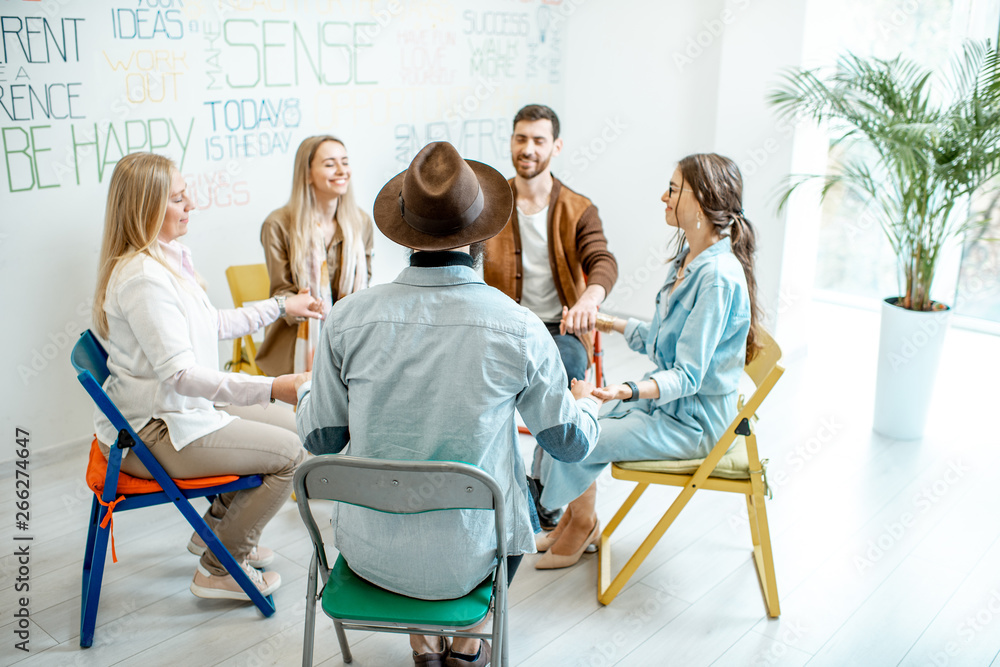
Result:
pixel 319 241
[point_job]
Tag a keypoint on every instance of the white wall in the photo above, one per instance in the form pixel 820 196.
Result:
pixel 761 40
pixel 682 78
pixel 638 85
pixel 622 74
pixel 442 70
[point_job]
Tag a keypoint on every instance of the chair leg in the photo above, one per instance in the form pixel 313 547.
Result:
pixel 505 629
pixel 264 604
pixel 93 573
pixel 88 553
pixel 251 348
pixel 609 591
pixel 237 364
pixel 497 652
pixel 309 636
pixel 762 554
pixel 752 514
pixel 604 551
pixel 345 650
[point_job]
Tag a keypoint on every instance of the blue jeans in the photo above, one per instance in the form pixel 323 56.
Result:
pixel 571 351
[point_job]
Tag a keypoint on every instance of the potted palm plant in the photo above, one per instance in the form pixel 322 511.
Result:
pixel 914 150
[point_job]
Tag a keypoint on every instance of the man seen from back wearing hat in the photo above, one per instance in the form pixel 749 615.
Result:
pixel 431 367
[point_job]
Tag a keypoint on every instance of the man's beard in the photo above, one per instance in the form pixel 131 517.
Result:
pixel 528 174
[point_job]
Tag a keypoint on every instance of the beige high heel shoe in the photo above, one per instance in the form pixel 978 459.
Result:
pixel 545 540
pixel 551 561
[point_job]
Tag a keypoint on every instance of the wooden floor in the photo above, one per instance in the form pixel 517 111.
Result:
pixel 887 553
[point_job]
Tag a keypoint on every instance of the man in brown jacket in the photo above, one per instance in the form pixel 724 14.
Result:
pixel 552 257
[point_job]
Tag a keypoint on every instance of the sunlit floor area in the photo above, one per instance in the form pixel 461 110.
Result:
pixel 886 552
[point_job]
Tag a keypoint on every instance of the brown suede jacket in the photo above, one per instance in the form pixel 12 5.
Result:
pixel 276 355
pixel 578 251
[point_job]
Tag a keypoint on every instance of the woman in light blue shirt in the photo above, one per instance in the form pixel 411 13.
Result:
pixel 702 333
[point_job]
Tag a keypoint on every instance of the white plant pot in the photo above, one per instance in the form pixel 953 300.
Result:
pixel 909 349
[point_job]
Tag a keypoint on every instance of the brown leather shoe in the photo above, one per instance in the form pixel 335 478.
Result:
pixel 433 659
pixel 482 660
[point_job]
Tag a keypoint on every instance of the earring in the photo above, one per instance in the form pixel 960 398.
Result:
pixel 698 226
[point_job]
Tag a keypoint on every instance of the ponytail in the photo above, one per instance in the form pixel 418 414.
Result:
pixel 744 243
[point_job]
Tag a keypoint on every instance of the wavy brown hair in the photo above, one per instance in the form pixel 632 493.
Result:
pixel 717 184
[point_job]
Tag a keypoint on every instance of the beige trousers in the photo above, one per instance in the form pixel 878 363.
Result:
pixel 261 442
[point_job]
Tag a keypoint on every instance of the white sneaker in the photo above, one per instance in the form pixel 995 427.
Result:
pixel 208 585
pixel 259 556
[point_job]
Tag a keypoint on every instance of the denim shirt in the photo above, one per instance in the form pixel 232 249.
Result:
pixel 431 367
pixel 697 338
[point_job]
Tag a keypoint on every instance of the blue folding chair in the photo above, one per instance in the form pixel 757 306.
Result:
pixel 91 363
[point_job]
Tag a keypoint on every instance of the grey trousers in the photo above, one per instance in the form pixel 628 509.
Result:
pixel 261 442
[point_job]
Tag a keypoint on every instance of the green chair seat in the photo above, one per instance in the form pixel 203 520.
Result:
pixel 347 596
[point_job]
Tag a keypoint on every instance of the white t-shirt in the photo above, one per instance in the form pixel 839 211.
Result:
pixel 538 289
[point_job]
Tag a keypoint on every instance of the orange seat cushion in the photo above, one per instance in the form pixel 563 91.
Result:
pixel 97 472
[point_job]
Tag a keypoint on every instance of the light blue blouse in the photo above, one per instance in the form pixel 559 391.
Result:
pixel 698 335
pixel 697 339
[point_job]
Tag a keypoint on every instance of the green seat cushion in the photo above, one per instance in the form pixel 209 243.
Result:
pixel 347 596
pixel 734 465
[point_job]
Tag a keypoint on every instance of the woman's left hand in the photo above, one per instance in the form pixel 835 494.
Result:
pixel 304 305
pixel 613 392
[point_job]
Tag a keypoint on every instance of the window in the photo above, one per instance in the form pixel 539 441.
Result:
pixel 854 259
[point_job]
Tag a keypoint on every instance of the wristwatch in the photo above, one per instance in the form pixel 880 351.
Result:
pixel 281 305
pixel 635 392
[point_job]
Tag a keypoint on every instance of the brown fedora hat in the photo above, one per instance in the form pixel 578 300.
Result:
pixel 442 201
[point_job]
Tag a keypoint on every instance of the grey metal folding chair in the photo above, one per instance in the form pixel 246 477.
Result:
pixel 388 486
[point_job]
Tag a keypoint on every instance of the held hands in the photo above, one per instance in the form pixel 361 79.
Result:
pixel 304 305
pixel 613 392
pixel 285 387
pixel 583 389
pixel 301 379
pixel 581 318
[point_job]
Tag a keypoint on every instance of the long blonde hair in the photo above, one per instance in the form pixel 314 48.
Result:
pixel 302 208
pixel 133 217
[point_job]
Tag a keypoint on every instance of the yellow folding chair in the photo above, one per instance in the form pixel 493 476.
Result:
pixel 738 471
pixel 247 282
